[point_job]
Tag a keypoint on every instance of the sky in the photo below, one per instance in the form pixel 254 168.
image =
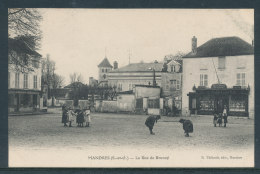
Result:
pixel 79 39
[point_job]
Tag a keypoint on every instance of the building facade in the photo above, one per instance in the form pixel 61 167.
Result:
pixel 219 73
pixel 167 76
pixel 24 90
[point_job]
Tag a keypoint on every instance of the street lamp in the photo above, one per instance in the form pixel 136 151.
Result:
pixel 154 81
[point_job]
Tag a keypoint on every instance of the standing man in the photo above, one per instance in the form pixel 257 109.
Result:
pixel 150 122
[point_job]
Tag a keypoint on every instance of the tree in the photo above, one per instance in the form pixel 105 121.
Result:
pixel 24 36
pixel 50 79
pixel 24 21
pixel 75 77
pixel 58 81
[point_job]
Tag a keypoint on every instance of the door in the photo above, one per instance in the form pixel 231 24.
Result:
pixel 220 102
pixel 34 100
pixel 17 102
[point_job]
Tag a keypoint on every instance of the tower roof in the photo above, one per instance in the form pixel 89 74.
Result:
pixel 105 63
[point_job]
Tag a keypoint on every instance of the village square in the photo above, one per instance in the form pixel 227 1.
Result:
pixel 201 98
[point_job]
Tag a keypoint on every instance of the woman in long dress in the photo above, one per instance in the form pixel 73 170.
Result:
pixel 64 118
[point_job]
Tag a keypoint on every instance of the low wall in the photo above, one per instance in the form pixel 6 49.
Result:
pixel 109 106
pixel 154 111
pixel 126 103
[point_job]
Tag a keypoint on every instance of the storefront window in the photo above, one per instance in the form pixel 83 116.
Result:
pixel 207 103
pixel 237 103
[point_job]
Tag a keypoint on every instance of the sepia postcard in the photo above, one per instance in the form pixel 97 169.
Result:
pixel 131 88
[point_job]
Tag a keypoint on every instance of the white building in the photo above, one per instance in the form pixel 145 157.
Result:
pixel 24 87
pixel 219 72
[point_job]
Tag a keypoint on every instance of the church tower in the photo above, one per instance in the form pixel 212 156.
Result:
pixel 103 68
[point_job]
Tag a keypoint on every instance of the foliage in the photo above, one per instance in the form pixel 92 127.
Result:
pixel 24 36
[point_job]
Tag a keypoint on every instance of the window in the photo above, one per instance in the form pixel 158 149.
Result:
pixel 35 63
pixel 25 81
pixel 241 79
pixel 130 86
pixel 153 103
pixel 17 79
pixel 177 84
pixel 34 82
pixel 203 80
pixel 105 70
pixel 102 70
pixel 8 79
pixel 119 87
pixel 172 68
pixel 221 62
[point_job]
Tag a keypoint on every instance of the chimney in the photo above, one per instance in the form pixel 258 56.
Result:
pixel 194 45
pixel 115 65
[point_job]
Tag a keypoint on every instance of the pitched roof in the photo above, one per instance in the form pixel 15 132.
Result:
pixel 140 67
pixel 174 62
pixel 224 46
pixel 19 46
pixel 105 63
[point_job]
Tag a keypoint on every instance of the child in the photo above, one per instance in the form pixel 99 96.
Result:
pixel 215 119
pixel 219 119
pixel 150 122
pixel 87 117
pixel 187 126
pixel 71 115
pixel 225 115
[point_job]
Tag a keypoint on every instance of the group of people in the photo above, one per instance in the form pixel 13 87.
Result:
pixel 80 115
pixel 219 117
pixel 187 124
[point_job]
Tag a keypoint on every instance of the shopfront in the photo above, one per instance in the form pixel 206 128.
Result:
pixel 23 100
pixel 206 101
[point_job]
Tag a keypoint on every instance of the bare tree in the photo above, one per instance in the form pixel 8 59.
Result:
pixel 24 21
pixel 75 77
pixel 24 36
